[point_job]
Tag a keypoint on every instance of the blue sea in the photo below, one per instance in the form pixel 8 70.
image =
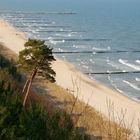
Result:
pixel 100 37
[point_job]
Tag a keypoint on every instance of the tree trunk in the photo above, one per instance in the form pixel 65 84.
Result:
pixel 29 85
pixel 27 93
pixel 25 86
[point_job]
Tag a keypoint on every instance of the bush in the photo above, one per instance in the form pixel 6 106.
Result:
pixel 32 123
pixel 9 67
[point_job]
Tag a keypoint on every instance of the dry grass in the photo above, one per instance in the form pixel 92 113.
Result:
pixel 84 116
pixel 8 53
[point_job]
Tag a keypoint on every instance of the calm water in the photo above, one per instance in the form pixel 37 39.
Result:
pixel 102 38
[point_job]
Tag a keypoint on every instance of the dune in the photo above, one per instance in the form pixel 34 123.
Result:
pixel 90 91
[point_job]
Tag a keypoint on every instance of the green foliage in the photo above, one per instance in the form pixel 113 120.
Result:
pixel 33 123
pixel 9 67
pixel 10 108
pixel 37 55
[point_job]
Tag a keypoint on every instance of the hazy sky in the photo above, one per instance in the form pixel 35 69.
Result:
pixel 58 4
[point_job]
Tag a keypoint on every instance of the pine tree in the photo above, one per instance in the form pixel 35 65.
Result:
pixel 36 58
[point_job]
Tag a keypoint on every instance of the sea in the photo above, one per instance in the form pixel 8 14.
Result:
pixel 100 37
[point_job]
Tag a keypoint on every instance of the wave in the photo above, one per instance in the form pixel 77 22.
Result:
pixel 123 92
pixel 112 72
pixel 88 39
pixel 137 79
pixel 43 26
pixel 56 42
pixel 60 49
pixel 132 85
pixel 125 62
pixel 32 31
pixel 37 22
pixel 79 46
pixel 101 49
pixel 112 64
pixel 114 85
pixel 138 61
pixel 119 90
pixel 40 13
pixel 92 61
pixel 52 31
pixel 85 66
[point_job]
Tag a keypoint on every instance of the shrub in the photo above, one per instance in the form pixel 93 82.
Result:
pixel 32 123
pixel 9 67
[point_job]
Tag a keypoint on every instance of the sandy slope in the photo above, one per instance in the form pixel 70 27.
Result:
pixel 10 37
pixel 68 77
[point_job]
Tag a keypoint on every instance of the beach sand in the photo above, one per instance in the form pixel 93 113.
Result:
pixel 92 92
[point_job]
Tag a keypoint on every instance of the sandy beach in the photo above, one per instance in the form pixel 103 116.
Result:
pixel 96 94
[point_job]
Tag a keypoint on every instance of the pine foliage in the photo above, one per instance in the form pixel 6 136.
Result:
pixel 9 67
pixel 37 55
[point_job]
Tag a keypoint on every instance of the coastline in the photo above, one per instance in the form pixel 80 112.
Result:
pixel 96 94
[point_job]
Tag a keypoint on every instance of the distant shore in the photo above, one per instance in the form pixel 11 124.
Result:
pixel 96 95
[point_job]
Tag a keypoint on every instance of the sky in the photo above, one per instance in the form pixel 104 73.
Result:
pixel 60 4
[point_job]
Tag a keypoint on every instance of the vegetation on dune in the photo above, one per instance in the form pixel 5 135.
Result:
pixel 9 68
pixel 33 122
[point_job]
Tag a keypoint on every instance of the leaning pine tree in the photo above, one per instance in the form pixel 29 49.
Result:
pixel 36 58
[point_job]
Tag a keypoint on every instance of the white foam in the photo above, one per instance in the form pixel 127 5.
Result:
pixel 60 35
pixel 119 90
pixel 112 64
pixel 109 48
pixel 113 84
pixel 63 40
pixel 100 49
pixel 49 37
pixel 91 60
pixel 108 71
pixel 31 31
pixel 131 85
pixel 82 62
pixel 125 62
pixel 79 46
pixel 78 59
pixel 138 61
pixel 108 59
pixel 137 79
pixel 53 42
pixel 40 28
pixel 61 29
pixel 94 53
pixel 84 66
pixel 61 50
pixel 56 42
pixel 69 35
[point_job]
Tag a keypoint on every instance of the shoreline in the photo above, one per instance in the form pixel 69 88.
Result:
pixel 90 81
pixel 96 94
